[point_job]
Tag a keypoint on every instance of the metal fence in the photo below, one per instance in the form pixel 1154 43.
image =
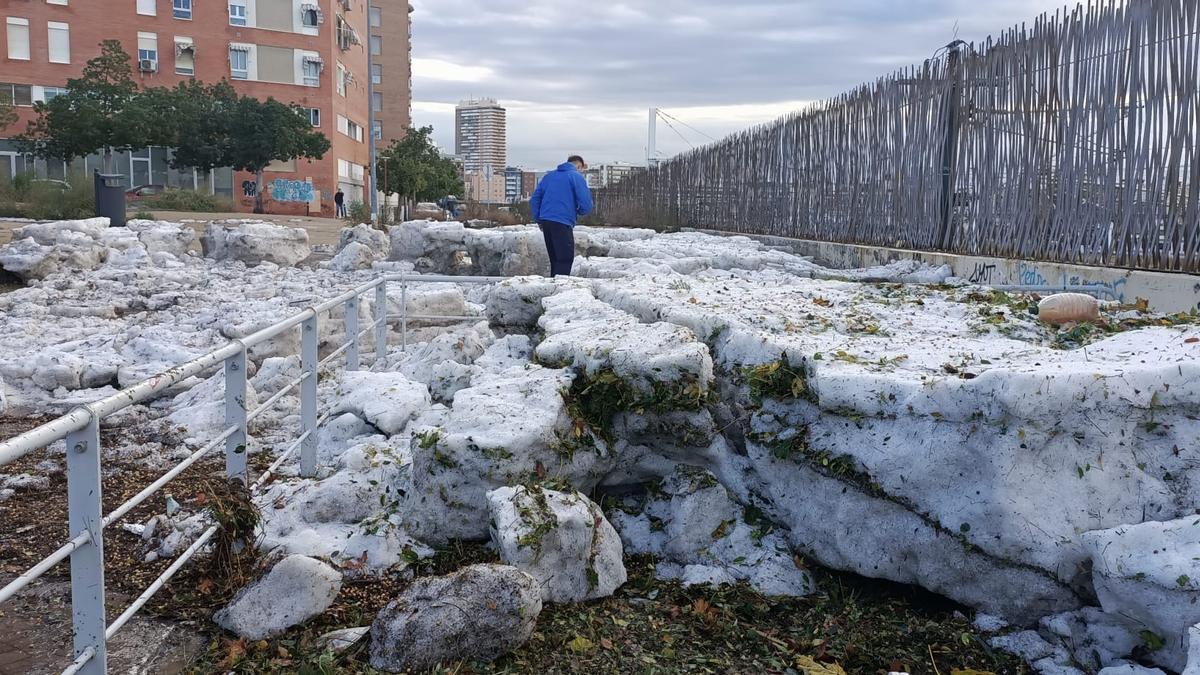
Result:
pixel 1074 139
pixel 81 431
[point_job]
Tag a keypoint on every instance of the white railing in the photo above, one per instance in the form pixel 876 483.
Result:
pixel 81 430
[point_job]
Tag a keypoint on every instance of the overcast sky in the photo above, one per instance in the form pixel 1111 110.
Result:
pixel 578 76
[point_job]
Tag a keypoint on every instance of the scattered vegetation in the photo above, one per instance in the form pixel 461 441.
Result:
pixel 779 380
pixel 187 200
pixel 26 197
pixel 1084 334
pixel 594 400
pixel 854 626
pixel 358 212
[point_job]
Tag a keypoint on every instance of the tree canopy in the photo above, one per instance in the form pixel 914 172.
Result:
pixel 413 168
pixel 96 114
pixel 208 126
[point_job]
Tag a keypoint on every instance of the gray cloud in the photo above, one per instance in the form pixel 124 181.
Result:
pixel 578 75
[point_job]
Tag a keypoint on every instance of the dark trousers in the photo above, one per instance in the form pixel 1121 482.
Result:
pixel 341 210
pixel 560 244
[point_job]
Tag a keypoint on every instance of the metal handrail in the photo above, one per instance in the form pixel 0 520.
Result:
pixel 81 429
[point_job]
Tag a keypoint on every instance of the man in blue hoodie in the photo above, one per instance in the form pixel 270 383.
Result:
pixel 559 199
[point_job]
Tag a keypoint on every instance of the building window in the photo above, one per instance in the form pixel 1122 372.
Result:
pixel 147 7
pixel 376 17
pixel 58 42
pixel 313 115
pixel 237 14
pixel 182 9
pixel 239 63
pixel 16 94
pixel 147 52
pixel 48 93
pixel 311 15
pixel 376 45
pixel 56 2
pixel 376 73
pixel 185 56
pixel 18 38
pixel 346 37
pixel 377 101
pixel 377 130
pixel 350 128
pixel 341 80
pixel 312 71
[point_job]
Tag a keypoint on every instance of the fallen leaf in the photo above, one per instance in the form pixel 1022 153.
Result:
pixel 580 645
pixel 606 643
pixel 808 666
pixel 1191 340
pixel 205 586
pixel 235 651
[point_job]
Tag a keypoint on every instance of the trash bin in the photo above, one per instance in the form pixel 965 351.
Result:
pixel 110 198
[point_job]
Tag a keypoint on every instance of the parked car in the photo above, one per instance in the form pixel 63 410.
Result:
pixel 140 192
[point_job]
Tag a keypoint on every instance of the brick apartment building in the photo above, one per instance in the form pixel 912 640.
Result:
pixel 308 53
pixel 391 68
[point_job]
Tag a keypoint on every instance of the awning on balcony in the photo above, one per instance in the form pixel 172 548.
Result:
pixel 239 47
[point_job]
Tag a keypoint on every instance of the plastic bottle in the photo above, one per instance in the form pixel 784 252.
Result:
pixel 1063 308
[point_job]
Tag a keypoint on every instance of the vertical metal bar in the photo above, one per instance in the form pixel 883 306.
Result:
pixel 381 308
pixel 308 397
pixel 235 415
pixel 953 103
pixel 352 333
pixel 403 315
pixel 87 561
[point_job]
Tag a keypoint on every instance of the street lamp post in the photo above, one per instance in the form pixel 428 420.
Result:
pixel 374 189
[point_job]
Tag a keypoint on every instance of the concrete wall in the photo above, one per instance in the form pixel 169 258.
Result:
pixel 1166 291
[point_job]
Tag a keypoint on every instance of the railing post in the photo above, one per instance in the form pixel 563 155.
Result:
pixel 87 561
pixel 235 415
pixel 381 309
pixel 352 333
pixel 308 397
pixel 403 315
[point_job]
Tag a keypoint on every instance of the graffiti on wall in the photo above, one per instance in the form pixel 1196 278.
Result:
pixel 284 190
pixel 249 188
pixel 982 273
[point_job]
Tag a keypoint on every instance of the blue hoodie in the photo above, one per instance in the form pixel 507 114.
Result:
pixel 561 196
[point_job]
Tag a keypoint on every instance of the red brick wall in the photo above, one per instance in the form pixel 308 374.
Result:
pixel 92 21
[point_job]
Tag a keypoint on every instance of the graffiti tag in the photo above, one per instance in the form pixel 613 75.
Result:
pixel 284 190
pixel 249 188
pixel 982 274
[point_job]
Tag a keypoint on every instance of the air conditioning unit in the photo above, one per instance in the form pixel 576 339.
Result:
pixel 346 5
pixel 148 66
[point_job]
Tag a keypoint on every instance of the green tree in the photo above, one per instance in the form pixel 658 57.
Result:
pixel 96 114
pixel 414 169
pixel 8 115
pixel 212 126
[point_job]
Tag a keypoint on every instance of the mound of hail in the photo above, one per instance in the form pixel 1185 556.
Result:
pixel 893 422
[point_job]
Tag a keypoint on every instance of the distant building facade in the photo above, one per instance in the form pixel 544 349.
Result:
pixel 391 68
pixel 307 53
pixel 487 186
pixel 481 134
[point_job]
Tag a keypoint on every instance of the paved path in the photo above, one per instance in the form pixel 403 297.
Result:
pixel 320 230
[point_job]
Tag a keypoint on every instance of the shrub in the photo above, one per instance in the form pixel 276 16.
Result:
pixel 48 201
pixel 143 215
pixel 477 211
pixel 187 200
pixel 358 212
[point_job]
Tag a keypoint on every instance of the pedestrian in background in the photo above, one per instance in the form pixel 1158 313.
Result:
pixel 339 201
pixel 560 198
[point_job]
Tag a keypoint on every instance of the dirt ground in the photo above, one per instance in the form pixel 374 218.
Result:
pixel 320 230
